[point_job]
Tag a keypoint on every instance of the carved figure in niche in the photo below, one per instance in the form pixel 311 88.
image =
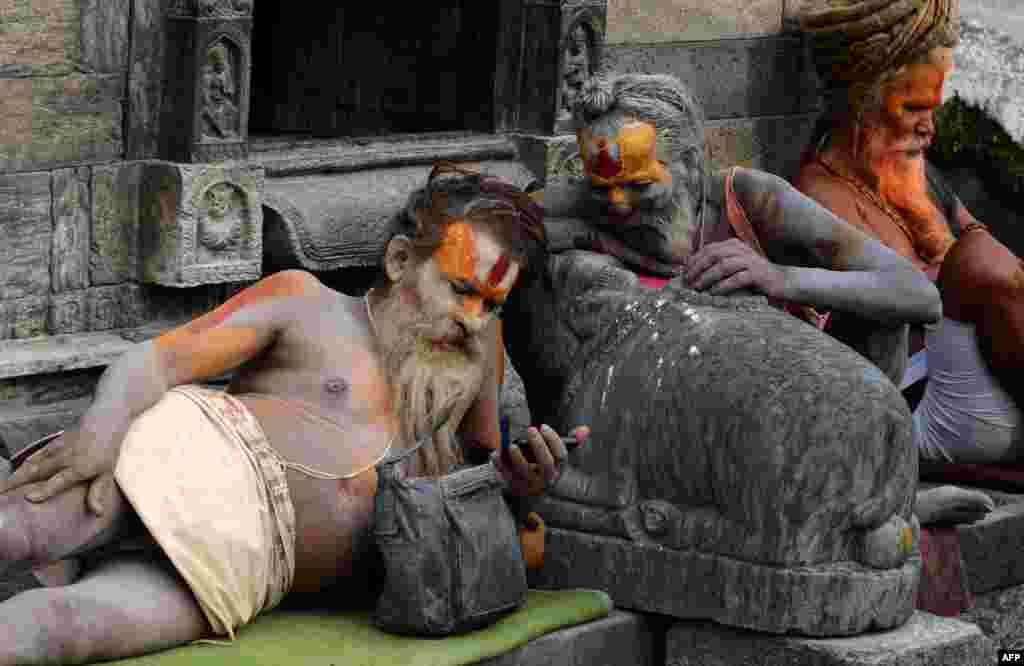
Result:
pixel 103 308
pixel 220 222
pixel 578 66
pixel 329 383
pixel 220 109
pixel 867 163
pixel 68 314
pixel 644 323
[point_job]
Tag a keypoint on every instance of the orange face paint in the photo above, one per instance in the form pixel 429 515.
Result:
pixel 459 259
pixel 627 157
pixel 918 88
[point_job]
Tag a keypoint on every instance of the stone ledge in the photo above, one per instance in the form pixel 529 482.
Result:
pixel 925 640
pixel 992 547
pixel 1000 614
pixel 60 353
pixel 283 156
pixel 839 599
pixel 620 638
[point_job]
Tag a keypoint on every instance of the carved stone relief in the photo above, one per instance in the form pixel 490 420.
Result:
pixel 219 82
pixel 580 55
pixel 220 217
pixel 103 307
pixel 68 313
pixel 201 224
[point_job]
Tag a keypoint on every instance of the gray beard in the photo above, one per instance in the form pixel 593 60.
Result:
pixel 431 387
pixel 666 233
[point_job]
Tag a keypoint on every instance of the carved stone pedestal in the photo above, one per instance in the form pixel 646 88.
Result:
pixel 200 224
pixel 924 639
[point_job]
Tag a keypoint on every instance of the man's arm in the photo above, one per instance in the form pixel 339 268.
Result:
pixel 983 284
pixel 846 269
pixel 235 332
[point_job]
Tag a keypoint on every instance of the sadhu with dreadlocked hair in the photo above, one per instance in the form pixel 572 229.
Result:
pixel 884 64
pixel 268 488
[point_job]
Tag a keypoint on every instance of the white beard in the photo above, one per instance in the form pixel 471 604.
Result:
pixel 431 386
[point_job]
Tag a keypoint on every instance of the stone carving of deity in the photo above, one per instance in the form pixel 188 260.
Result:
pixel 220 222
pixel 220 111
pixel 577 67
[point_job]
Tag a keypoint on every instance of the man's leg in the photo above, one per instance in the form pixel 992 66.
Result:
pixel 125 607
pixel 32 535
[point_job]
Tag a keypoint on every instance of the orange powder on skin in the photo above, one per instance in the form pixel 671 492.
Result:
pixel 459 259
pixel 637 156
pixel 222 349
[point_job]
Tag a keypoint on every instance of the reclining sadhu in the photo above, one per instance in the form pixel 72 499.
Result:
pixel 884 65
pixel 267 488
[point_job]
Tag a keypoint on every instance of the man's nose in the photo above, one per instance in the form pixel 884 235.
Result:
pixel 926 125
pixel 472 314
pixel 617 196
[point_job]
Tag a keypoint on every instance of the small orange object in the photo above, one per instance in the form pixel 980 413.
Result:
pixel 531 541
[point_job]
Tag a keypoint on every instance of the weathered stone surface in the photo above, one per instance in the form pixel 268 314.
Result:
pixel 836 599
pixel 41 35
pixel 770 144
pixel 991 549
pixel 328 222
pixel 28 316
pixel 749 468
pixel 113 256
pixel 25 230
pixel 732 79
pixel 925 640
pixel 46 391
pixel 201 224
pixel 284 156
pixel 1000 614
pixel 619 639
pixel 26 426
pixel 69 266
pixel 145 83
pixel 67 352
pixel 104 35
pixel 550 156
pixel 651 21
pixel 6 321
pixel 69 312
pixel 989 73
pixel 104 308
pixel 53 122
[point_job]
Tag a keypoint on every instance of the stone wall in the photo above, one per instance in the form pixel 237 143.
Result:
pixel 741 58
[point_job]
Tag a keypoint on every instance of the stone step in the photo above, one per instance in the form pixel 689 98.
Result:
pixel 924 639
pixel 617 640
pixel 1000 614
pixel 992 547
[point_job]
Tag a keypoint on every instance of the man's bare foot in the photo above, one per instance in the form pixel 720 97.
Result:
pixel 951 504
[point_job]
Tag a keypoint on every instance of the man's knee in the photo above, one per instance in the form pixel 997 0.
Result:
pixel 16 547
pixel 49 630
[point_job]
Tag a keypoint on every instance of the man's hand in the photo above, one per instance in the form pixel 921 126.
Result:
pixel 75 457
pixel 729 266
pixel 526 478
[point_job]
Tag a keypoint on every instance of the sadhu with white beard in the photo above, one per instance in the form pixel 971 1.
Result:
pixel 884 63
pixel 268 488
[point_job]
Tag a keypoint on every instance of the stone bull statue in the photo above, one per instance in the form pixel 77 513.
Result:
pixel 744 467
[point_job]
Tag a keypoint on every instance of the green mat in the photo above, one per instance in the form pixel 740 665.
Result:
pixel 350 639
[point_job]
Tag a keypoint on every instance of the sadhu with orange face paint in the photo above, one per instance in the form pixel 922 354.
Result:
pixel 268 488
pixel 884 63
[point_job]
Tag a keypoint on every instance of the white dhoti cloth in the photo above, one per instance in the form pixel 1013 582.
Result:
pixel 201 475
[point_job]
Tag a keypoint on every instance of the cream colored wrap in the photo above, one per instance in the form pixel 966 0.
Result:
pixel 200 473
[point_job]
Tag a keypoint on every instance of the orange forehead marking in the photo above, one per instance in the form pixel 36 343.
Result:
pixel 920 85
pixel 458 255
pixel 633 151
pixel 459 258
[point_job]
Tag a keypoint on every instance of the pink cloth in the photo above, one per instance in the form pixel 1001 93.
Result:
pixel 943 589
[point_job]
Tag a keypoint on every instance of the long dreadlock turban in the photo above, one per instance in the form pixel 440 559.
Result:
pixel 858 40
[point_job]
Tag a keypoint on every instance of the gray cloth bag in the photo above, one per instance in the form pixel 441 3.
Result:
pixel 450 550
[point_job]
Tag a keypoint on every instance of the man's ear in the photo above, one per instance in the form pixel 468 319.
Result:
pixel 398 257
